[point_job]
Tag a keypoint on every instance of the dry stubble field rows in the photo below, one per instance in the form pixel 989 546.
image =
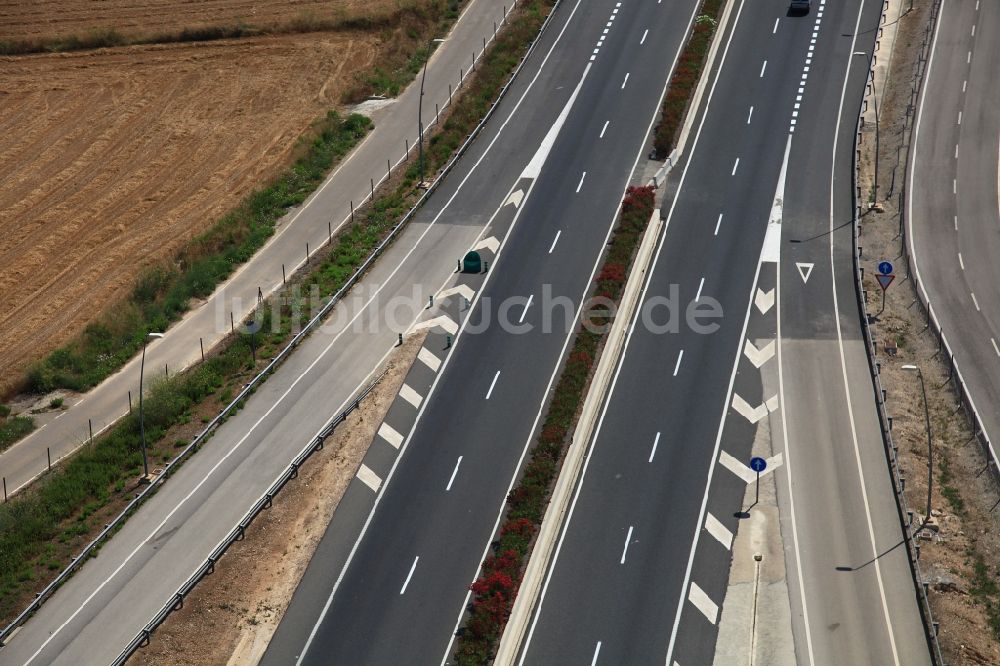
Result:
pixel 113 158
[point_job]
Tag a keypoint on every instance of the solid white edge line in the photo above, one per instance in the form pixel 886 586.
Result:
pixel 843 358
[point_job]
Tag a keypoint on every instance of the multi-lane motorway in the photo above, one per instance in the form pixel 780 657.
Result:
pixel 952 214
pixel 759 222
pixel 774 147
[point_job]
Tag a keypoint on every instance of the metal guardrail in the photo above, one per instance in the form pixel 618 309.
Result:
pixel 208 566
pixel 132 506
pixel 891 450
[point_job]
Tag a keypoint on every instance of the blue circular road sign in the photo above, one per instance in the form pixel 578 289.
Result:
pixel 884 267
pixel 758 464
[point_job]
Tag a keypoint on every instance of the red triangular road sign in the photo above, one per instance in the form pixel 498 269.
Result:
pixel 885 280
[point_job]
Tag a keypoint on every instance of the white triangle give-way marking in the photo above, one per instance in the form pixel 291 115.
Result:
pixel 764 300
pixel 805 269
pixel 758 356
pixel 516 197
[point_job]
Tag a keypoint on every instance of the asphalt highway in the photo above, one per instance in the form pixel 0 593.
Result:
pixel 629 584
pixel 310 223
pixel 404 586
pixel 952 215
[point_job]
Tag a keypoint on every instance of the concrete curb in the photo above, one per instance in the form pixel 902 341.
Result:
pixel 555 514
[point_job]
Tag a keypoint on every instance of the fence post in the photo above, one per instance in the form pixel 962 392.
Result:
pixel 232 323
pixel 130 401
pixel 283 274
pixel 352 212
pixel 5 490
pixel 90 428
pixel 201 343
pixel 48 454
pixel 329 233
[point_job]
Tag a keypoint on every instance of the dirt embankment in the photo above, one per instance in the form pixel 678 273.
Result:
pixel 958 556
pixel 113 158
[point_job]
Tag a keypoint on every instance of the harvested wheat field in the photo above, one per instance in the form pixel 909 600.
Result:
pixel 48 19
pixel 114 157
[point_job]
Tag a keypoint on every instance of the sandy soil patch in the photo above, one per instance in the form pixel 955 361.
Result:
pixel 113 158
pixel 231 616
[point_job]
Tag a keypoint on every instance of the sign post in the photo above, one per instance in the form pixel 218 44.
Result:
pixel 884 278
pixel 758 465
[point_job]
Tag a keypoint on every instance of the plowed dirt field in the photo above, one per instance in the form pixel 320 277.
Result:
pixel 112 158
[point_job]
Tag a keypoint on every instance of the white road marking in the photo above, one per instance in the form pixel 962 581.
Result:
pixel 429 359
pixel 597 651
pixel 975 302
pixel 750 114
pixel 516 197
pixel 956 151
pixel 444 321
pixel 628 539
pixel 956 223
pixel 758 356
pixel 775 31
pixel 580 184
pixel 407 393
pixel 535 165
pixel 413 568
pixel 677 366
pixel 954 186
pixel 604 129
pixel 995 348
pixel 701 601
pixel 718 223
pixel 643 40
pixel 525 310
pixel 959 117
pixel 764 300
pixel 368 477
pixel 463 290
pixel 973 30
pixel 735 165
pixel 656 440
pixel 625 81
pixel 762 68
pixel 964 85
pixel 390 434
pixel 805 270
pixel 719 531
pixel 754 414
pixel 697 297
pixel 968 58
pixel 555 240
pixel 454 473
pixel 493 384
pixel 491 244
pixel 960 262
pixel 746 474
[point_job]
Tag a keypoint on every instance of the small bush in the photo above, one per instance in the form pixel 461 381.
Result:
pixel 56 403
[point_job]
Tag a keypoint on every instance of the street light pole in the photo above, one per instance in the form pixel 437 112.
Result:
pixel 420 108
pixel 930 449
pixel 142 423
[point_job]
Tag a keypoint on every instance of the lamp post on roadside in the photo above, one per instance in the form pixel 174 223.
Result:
pixel 142 423
pixel 930 449
pixel 420 108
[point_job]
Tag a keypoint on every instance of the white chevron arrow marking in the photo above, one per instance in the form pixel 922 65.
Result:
pixel 516 197
pixel 491 244
pixel 758 356
pixel 461 289
pixel 764 300
pixel 743 471
pixel 443 321
pixel 754 414
pixel 805 270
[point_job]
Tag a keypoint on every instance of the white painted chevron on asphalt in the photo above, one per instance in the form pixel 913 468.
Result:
pixel 369 478
pixel 746 474
pixel 764 300
pixel 463 290
pixel 491 244
pixel 758 356
pixel 754 414
pixel 429 359
pixel 444 321
pixel 737 468
pixel 721 533
pixel 516 197
pixel 391 435
pixel 407 393
pixel 702 602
